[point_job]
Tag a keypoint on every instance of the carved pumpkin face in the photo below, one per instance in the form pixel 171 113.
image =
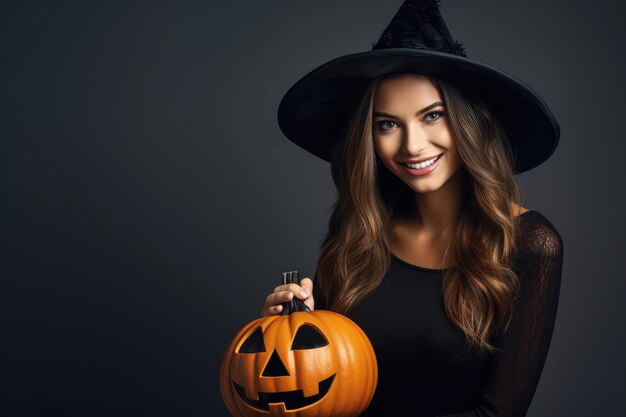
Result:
pixel 303 364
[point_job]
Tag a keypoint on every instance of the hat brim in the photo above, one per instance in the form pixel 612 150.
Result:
pixel 314 112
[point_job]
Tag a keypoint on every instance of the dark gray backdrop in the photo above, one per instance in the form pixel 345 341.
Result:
pixel 149 201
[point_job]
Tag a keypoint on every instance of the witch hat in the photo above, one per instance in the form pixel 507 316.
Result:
pixel 315 110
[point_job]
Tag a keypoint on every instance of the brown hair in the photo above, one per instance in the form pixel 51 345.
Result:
pixel 479 289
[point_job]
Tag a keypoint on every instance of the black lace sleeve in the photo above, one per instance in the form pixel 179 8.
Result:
pixel 524 345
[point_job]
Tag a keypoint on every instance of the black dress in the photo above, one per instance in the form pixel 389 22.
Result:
pixel 424 362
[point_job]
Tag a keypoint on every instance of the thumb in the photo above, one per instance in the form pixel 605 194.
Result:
pixel 307 284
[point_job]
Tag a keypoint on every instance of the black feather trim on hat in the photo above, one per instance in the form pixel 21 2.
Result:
pixel 418 24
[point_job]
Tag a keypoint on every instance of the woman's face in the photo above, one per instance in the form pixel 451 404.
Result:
pixel 410 125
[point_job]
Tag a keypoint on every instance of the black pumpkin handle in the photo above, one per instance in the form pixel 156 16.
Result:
pixel 295 304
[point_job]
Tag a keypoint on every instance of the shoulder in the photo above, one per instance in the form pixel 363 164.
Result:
pixel 538 236
pixel 539 259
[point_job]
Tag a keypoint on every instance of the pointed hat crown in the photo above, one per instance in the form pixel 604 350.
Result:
pixel 418 24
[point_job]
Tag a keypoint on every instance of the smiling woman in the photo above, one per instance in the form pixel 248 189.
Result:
pixel 428 247
pixel 433 218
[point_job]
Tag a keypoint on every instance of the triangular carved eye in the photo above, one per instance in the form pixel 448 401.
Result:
pixel 254 343
pixel 308 337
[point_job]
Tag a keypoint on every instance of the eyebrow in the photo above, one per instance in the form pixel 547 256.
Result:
pixel 425 109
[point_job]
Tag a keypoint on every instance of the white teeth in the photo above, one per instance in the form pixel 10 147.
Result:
pixel 422 164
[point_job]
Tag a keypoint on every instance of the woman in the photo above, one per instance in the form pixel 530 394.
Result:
pixel 429 250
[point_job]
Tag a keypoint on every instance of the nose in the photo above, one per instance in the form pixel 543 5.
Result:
pixel 414 140
pixel 275 366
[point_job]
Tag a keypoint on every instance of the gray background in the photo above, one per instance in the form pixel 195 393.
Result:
pixel 149 201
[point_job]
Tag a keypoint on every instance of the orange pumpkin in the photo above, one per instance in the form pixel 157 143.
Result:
pixel 300 363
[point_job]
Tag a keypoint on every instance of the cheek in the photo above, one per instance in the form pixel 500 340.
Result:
pixel 387 160
pixel 455 158
pixel 445 138
pixel 385 149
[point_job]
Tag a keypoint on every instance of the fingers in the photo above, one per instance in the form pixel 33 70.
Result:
pixel 273 302
pixel 297 290
pixel 284 293
pixel 307 285
pixel 274 310
pixel 277 298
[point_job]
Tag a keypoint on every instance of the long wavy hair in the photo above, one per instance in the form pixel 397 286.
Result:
pixel 480 288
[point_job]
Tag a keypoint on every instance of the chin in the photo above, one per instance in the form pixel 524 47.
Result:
pixel 428 184
pixel 425 188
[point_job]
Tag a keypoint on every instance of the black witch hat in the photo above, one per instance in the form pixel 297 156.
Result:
pixel 314 112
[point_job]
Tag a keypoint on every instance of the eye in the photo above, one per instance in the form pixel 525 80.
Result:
pixel 382 125
pixel 254 343
pixel 437 113
pixel 308 337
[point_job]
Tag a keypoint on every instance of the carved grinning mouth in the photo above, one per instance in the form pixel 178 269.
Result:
pixel 292 399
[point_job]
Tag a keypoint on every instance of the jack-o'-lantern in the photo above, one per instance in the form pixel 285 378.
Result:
pixel 301 363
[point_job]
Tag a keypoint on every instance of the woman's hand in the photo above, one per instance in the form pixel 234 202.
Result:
pixel 284 293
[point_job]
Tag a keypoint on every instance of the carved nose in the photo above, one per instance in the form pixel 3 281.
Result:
pixel 275 366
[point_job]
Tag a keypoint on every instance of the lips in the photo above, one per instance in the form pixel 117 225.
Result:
pixel 292 399
pixel 422 160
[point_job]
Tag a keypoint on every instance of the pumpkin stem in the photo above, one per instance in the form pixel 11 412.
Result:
pixel 295 304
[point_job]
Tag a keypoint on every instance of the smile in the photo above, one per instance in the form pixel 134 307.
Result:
pixel 423 168
pixel 424 164
pixel 292 399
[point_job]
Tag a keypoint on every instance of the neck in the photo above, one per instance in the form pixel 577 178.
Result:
pixel 436 210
